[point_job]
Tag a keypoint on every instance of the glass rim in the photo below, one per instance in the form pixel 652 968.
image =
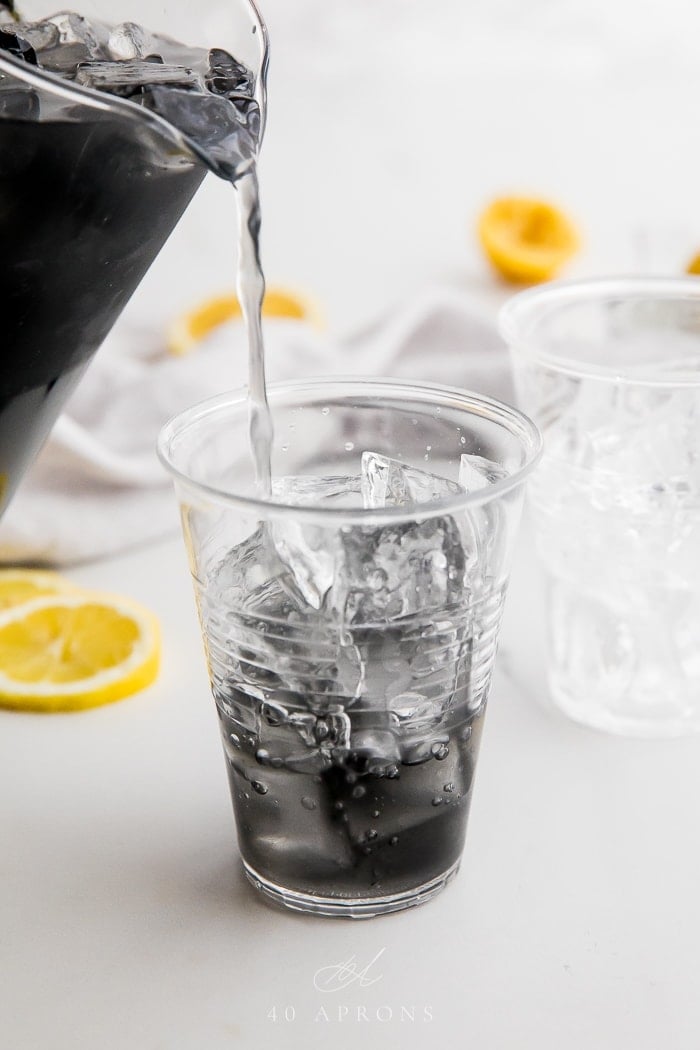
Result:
pixel 519 315
pixel 344 387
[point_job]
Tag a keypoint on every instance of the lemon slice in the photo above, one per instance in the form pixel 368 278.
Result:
pixel 71 651
pixel 21 585
pixel 192 327
pixel 527 240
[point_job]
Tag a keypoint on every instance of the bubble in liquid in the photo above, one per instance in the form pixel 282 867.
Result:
pixel 393 840
pixel 325 411
pixel 349 446
pixel 308 803
pixel 359 791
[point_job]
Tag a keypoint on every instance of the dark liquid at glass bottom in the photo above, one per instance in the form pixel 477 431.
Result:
pixel 351 831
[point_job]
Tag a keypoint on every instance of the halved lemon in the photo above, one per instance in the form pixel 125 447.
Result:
pixel 195 325
pixel 22 585
pixel 527 240
pixel 693 266
pixel 71 651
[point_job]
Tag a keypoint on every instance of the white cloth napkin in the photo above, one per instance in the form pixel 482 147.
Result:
pixel 97 487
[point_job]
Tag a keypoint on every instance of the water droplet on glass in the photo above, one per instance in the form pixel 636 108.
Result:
pixel 392 772
pixel 393 840
pixel 338 807
pixel 466 733
pixel 359 791
pixel 235 740
pixel 463 440
pixel 285 448
pixel 257 785
pixel 276 762
pixel 440 751
pixel 437 801
pixel 246 795
pixel 349 446
pixel 308 803
pixel 262 756
pixel 375 813
pixel 428 448
pixel 371 835
pixel 449 787
pixel 325 411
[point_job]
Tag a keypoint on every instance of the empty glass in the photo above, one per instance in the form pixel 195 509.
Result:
pixel 610 370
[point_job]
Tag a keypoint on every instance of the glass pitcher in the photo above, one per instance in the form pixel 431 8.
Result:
pixel 91 186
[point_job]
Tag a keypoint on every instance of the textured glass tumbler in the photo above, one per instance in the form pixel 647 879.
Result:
pixel 350 631
pixel 610 370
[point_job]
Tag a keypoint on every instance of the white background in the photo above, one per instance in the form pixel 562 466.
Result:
pixel 393 122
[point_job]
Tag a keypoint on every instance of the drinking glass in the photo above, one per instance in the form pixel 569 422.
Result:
pixel 350 624
pixel 610 370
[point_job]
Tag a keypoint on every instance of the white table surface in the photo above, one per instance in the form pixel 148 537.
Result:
pixel 125 920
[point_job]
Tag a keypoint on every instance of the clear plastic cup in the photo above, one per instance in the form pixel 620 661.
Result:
pixel 350 644
pixel 610 370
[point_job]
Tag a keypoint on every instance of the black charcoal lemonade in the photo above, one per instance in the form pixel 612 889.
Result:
pixel 88 196
pixel 351 665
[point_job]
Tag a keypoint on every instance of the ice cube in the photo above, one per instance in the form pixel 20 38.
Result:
pixel 379 747
pixel 390 483
pixel 74 29
pixel 338 490
pixel 225 133
pixel 310 557
pixel 127 78
pixel 16 44
pixel 18 103
pixel 310 552
pixel 368 573
pixel 129 41
pixel 398 570
pixel 77 40
pixel 415 712
pixel 477 473
pixel 227 77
